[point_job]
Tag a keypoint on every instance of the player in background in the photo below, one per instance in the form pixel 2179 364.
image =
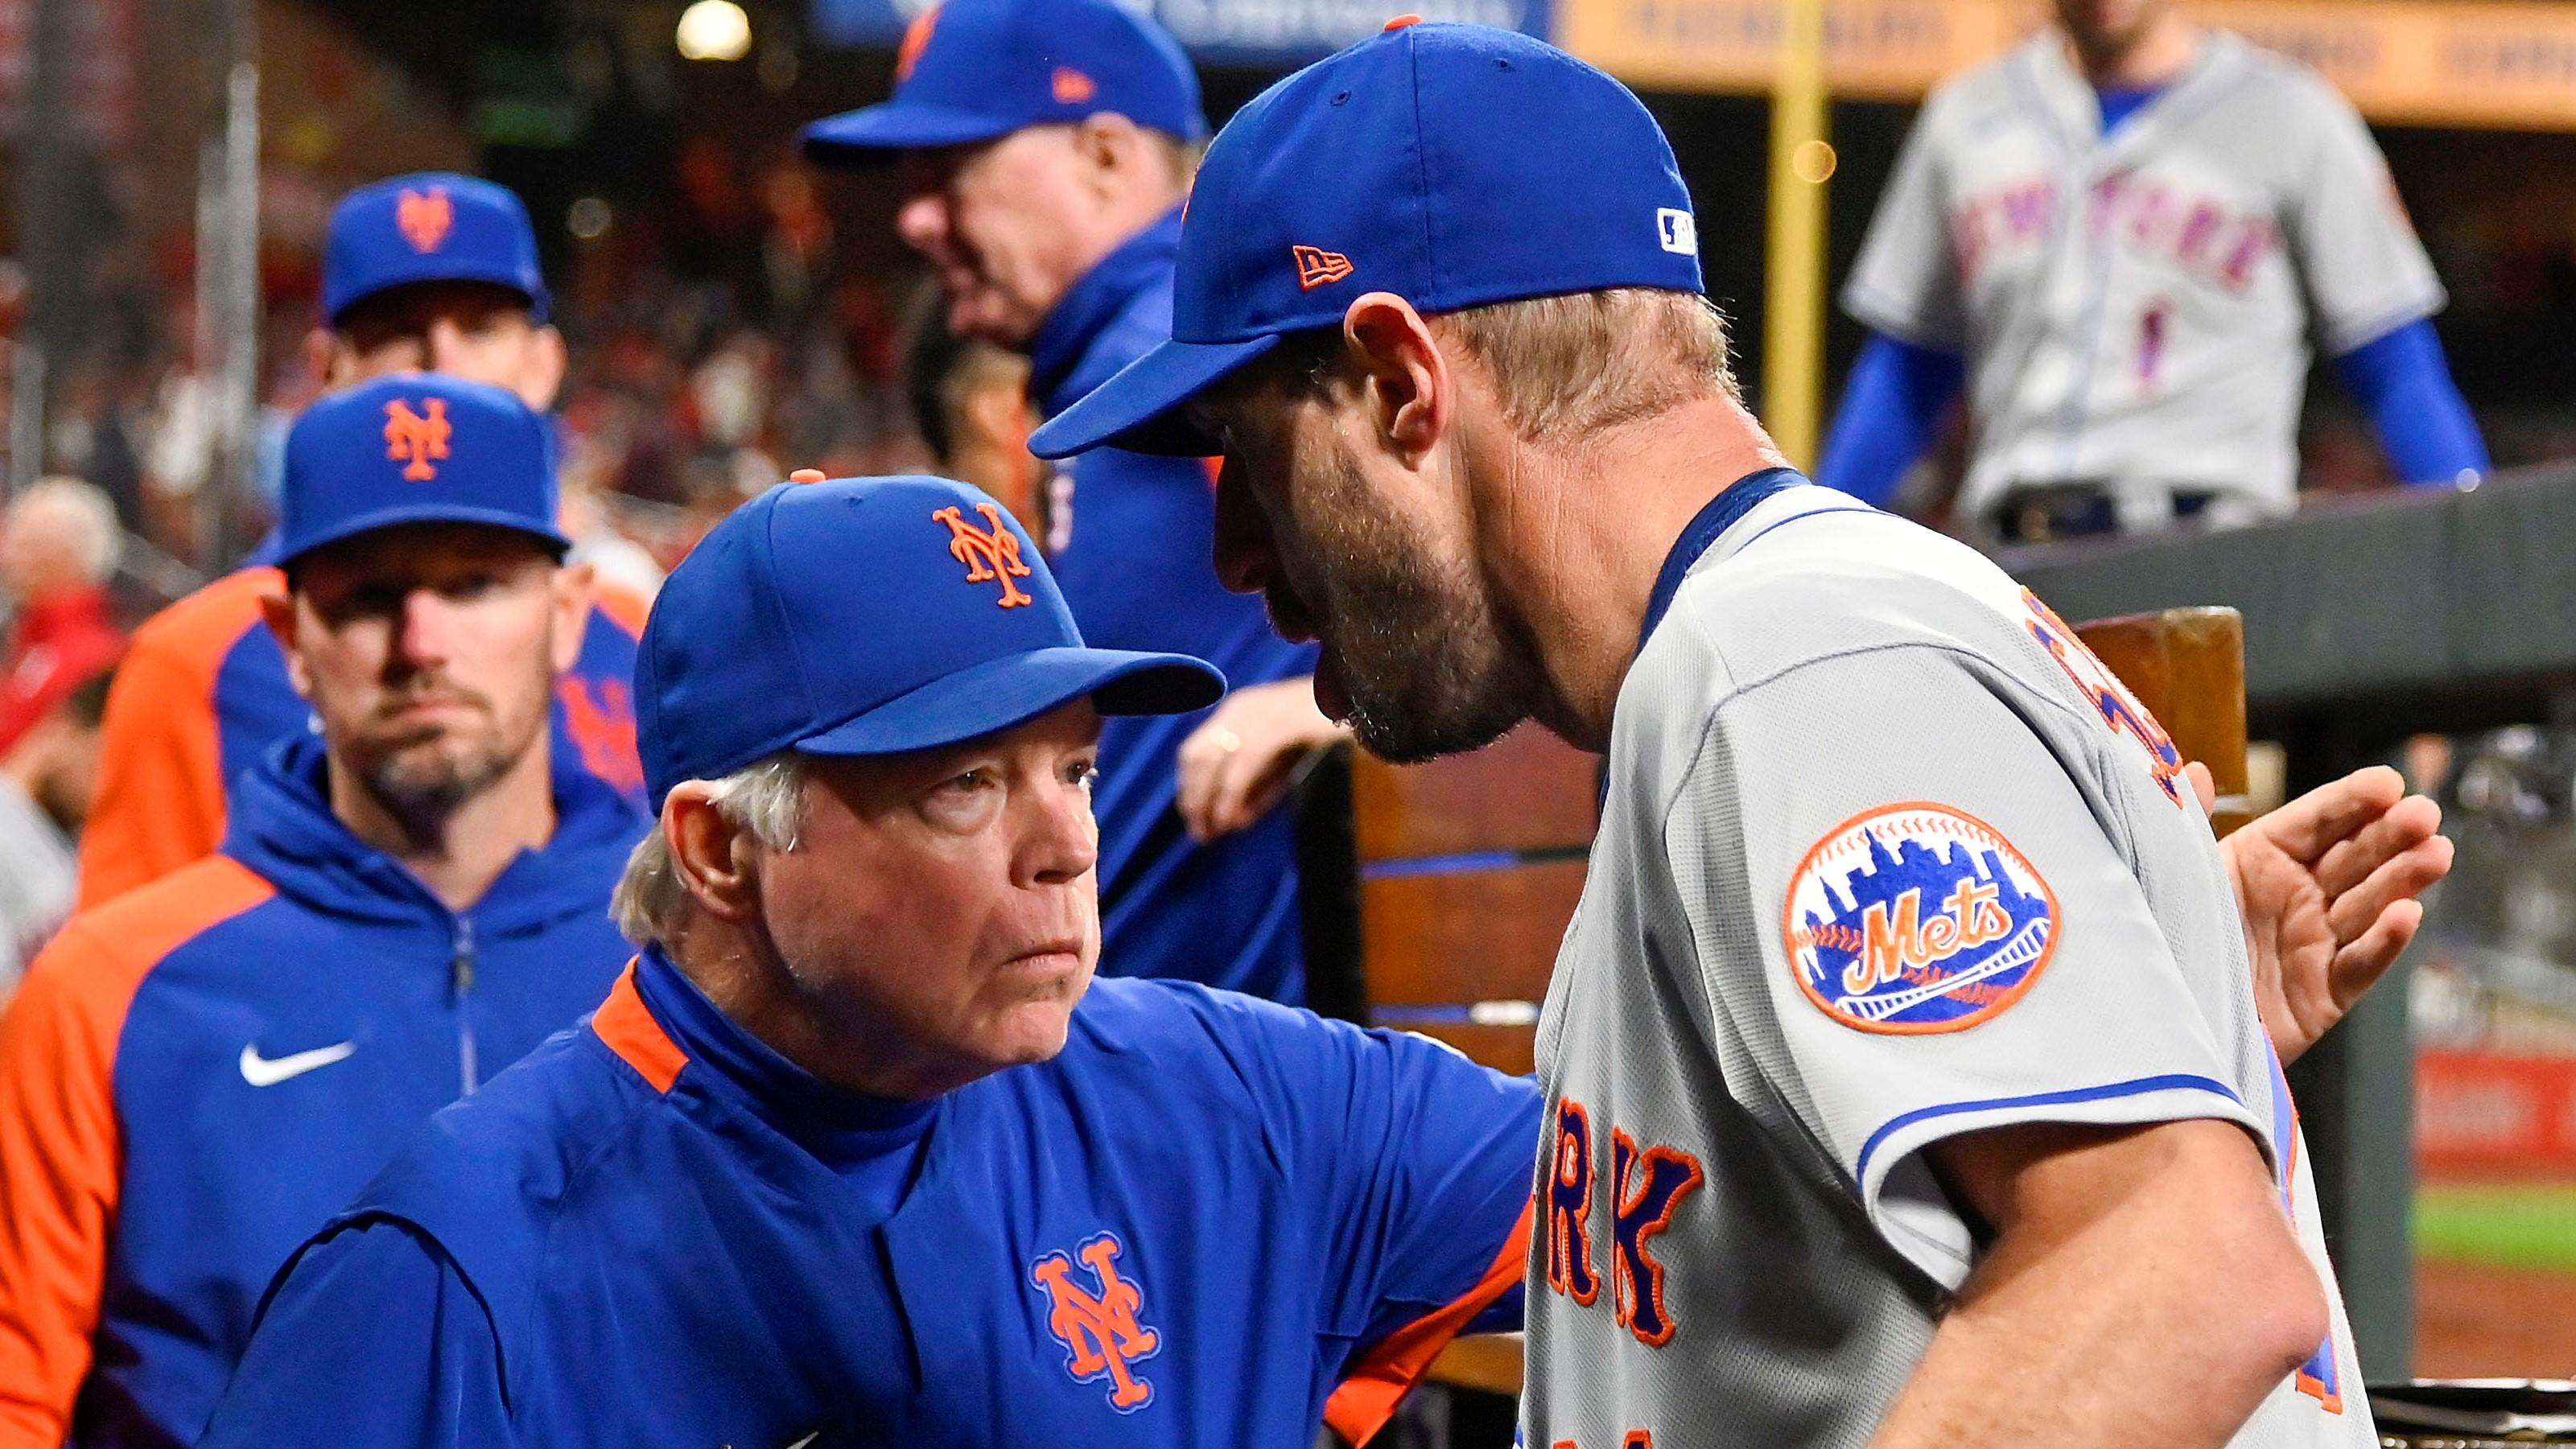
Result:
pixel 428 272
pixel 1046 147
pixel 1907 1077
pixel 858 1152
pixel 195 1075
pixel 2080 236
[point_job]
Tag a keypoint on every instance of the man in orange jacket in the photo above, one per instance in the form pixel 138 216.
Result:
pixel 428 272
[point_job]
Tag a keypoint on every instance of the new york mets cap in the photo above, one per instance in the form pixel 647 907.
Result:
pixel 416 447
pixel 1452 165
pixel 977 70
pixel 431 226
pixel 870 616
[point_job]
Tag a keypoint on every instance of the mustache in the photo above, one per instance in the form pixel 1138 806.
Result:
pixel 425 692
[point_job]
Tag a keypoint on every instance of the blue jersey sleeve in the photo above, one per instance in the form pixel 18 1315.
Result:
pixel 373 1338
pixel 1422 1162
pixel 2404 380
pixel 1891 408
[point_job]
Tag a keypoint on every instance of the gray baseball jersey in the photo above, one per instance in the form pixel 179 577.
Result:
pixel 1886 857
pixel 2135 309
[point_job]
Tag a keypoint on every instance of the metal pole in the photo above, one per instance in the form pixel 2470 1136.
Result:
pixel 228 312
pixel 1793 312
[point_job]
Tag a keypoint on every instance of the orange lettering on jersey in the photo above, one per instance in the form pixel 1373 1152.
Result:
pixel 1646 1189
pixel 1072 87
pixel 1317 267
pixel 2119 709
pixel 1099 1328
pixel 413 439
pixel 989 553
pixel 424 217
pixel 1568 1225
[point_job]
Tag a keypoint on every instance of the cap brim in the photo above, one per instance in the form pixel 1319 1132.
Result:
pixel 1139 408
pixel 874 133
pixel 289 550
pixel 441 269
pixel 1000 693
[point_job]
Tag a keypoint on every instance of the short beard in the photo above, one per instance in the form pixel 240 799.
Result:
pixel 422 794
pixel 1429 666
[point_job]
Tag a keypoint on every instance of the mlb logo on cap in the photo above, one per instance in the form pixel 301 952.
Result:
pixel 1452 165
pixel 433 226
pixel 417 448
pixel 977 70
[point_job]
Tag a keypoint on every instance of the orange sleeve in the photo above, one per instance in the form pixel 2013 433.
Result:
pixel 61 1158
pixel 1366 1399
pixel 160 801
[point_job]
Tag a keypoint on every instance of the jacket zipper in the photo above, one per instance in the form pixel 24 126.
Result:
pixel 460 969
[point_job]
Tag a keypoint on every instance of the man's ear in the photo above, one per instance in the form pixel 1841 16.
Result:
pixel 574 590
pixel 1109 144
pixel 1409 387
pixel 717 861
pixel 327 357
pixel 278 612
pixel 542 376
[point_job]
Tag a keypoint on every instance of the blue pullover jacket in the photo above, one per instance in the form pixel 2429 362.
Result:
pixel 197 1074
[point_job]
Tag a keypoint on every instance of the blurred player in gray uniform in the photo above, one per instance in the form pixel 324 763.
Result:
pixel 1905 1082
pixel 2120 238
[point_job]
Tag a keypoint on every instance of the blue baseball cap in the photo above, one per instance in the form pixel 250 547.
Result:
pixel 417 447
pixel 977 70
pixel 432 226
pixel 1452 165
pixel 871 616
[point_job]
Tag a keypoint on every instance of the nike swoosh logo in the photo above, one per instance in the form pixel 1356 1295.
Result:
pixel 262 1071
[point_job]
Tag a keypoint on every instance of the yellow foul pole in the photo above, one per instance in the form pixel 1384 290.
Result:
pixel 1793 309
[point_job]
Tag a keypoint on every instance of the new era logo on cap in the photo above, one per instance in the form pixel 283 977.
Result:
pixel 424 217
pixel 415 439
pixel 1316 267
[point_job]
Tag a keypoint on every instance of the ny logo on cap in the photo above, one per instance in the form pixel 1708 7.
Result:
pixel 1099 1330
pixel 424 217
pixel 989 553
pixel 412 439
pixel 1316 267
pixel 916 38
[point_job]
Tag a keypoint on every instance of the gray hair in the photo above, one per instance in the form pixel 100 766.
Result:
pixel 85 517
pixel 765 800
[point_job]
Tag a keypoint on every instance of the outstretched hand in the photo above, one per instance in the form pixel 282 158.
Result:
pixel 2328 888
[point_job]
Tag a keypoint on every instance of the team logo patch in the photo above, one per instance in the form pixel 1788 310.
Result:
pixel 417 439
pixel 989 553
pixel 916 39
pixel 1917 918
pixel 1098 1325
pixel 1317 267
pixel 1071 86
pixel 424 217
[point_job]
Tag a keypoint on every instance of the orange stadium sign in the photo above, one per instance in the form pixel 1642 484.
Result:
pixel 2506 64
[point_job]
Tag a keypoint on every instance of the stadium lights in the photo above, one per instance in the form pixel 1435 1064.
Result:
pixel 714 30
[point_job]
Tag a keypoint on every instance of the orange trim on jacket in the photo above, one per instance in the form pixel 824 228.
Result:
pixel 160 802
pixel 1367 1397
pixel 628 1027
pixel 61 1157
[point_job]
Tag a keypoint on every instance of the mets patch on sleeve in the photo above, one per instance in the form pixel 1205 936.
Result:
pixel 1916 918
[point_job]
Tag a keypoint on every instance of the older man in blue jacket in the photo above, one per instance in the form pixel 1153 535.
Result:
pixel 198 1072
